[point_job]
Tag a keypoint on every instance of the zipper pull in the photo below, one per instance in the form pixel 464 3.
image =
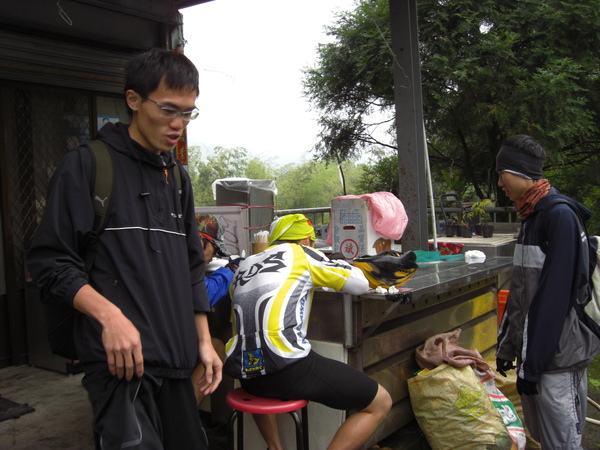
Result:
pixel 166 176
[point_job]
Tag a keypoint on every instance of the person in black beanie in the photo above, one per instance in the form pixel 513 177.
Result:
pixel 540 328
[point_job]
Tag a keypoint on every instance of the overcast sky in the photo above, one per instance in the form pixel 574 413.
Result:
pixel 250 54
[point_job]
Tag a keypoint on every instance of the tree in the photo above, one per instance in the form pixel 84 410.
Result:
pixel 524 70
pixel 219 163
pixel 381 174
pixel 350 84
pixel 307 185
pixel 350 90
pixel 490 69
pixel 312 184
pixel 257 169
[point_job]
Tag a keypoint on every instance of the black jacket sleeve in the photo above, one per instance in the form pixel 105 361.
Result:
pixel 55 255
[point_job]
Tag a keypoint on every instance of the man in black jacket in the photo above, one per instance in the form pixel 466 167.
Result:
pixel 540 328
pixel 141 326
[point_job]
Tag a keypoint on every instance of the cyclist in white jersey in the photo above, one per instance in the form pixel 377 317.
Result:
pixel 271 295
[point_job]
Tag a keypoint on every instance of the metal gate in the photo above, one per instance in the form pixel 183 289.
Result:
pixel 39 125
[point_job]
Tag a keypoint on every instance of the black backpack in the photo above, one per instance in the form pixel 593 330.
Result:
pixel 60 317
pixel 588 304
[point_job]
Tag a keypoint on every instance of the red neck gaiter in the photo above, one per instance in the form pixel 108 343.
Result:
pixel 526 203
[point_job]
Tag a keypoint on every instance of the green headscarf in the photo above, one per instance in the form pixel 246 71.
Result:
pixel 292 227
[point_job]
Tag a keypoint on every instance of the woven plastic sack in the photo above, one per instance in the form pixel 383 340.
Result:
pixel 507 410
pixel 454 411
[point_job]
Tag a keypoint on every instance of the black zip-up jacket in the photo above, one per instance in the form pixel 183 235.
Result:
pixel 149 260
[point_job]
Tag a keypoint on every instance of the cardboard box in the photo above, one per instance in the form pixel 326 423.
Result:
pixel 353 233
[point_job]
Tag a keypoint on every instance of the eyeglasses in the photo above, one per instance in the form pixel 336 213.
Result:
pixel 171 113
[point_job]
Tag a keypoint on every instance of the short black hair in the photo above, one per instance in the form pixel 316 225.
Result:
pixel 147 70
pixel 526 144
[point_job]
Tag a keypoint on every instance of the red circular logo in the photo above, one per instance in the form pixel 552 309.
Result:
pixel 349 248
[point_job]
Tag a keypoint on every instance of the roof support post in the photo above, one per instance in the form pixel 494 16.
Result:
pixel 412 189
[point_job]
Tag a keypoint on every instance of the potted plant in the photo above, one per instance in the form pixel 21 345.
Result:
pixel 450 229
pixel 456 226
pixel 461 228
pixel 482 217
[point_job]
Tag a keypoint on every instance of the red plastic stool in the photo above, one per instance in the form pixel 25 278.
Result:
pixel 242 402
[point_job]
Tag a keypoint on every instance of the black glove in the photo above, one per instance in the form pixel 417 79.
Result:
pixel 502 365
pixel 233 264
pixel 525 387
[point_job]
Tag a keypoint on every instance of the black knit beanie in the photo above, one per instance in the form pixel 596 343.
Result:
pixel 513 160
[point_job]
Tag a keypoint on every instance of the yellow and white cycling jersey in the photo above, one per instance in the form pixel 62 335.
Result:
pixel 271 295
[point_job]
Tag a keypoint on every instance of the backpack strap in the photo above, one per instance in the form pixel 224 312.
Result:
pixel 60 318
pixel 592 243
pixel 101 193
pixel 549 202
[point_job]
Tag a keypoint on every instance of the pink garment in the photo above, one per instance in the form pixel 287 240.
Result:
pixel 388 216
pixel 444 348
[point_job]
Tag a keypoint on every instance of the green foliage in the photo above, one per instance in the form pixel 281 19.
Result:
pixel 257 169
pixel 348 85
pixel 490 69
pixel 478 212
pixel 313 184
pixel 451 180
pixel 307 185
pixel 207 166
pixel 380 174
pixel 514 76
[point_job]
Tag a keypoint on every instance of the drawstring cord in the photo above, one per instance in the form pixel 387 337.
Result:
pixel 177 193
pixel 145 195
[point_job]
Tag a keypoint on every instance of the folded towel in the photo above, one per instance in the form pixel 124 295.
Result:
pixel 444 348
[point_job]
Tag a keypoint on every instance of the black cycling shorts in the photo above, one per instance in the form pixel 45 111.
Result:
pixel 318 379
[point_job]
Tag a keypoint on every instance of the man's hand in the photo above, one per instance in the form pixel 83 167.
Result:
pixel 120 337
pixel 123 347
pixel 525 387
pixel 213 368
pixel 502 365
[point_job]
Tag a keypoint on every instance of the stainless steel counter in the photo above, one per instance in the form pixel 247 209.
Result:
pixel 379 336
pixel 435 278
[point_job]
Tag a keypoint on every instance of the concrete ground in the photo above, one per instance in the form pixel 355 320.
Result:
pixel 62 416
